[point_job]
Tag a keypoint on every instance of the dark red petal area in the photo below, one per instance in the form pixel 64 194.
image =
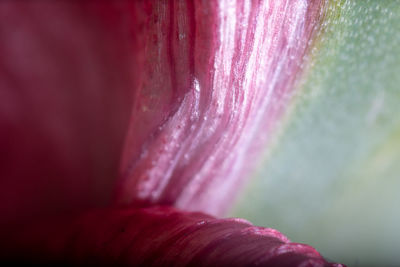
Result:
pixel 157 236
pixel 65 95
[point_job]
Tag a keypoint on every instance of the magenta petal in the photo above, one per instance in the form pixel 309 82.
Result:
pixel 157 236
pixel 215 77
pixel 64 103
pixel 207 76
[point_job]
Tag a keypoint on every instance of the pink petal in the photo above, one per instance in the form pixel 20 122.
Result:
pixel 215 78
pixel 157 236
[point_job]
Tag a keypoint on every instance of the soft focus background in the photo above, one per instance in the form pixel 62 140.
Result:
pixel 331 178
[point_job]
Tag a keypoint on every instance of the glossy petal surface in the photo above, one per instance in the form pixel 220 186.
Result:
pixel 215 78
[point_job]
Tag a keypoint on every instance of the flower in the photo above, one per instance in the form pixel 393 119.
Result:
pixel 191 83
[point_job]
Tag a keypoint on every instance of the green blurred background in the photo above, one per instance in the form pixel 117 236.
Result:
pixel 331 176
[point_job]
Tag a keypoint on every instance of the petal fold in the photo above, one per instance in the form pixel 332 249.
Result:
pixel 215 78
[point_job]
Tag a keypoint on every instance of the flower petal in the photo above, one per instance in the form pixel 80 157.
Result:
pixel 215 78
pixel 64 103
pixel 157 236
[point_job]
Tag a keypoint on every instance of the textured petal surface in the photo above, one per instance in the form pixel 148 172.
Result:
pixel 157 236
pixel 215 77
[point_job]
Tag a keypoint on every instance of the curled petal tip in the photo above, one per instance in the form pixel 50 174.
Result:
pixel 157 236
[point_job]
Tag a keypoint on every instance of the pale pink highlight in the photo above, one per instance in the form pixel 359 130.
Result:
pixel 238 60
